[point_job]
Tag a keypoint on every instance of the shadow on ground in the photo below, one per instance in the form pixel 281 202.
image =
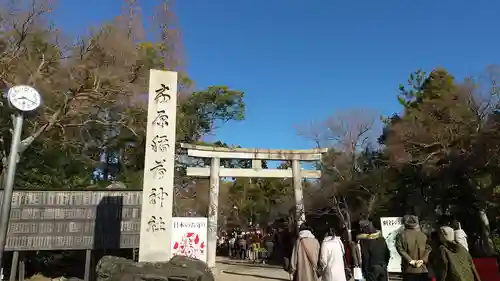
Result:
pixel 254 275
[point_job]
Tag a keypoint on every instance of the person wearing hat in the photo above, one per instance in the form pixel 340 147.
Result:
pixel 375 254
pixel 454 262
pixel 412 246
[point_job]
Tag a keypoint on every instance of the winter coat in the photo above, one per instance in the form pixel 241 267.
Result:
pixel 454 263
pixel 332 259
pixel 304 259
pixel 412 245
pixel 374 251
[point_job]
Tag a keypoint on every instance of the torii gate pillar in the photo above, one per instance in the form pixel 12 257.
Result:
pixel 256 155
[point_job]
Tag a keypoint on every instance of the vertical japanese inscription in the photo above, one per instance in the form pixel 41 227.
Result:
pixel 159 170
pixel 159 160
pixel 160 142
pixel 156 224
pixel 157 196
pixel 161 119
pixel 162 94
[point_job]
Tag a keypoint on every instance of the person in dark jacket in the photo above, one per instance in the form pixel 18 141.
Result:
pixel 434 242
pixel 242 245
pixel 269 245
pixel 375 254
pixel 414 250
pixel 455 262
pixel 287 242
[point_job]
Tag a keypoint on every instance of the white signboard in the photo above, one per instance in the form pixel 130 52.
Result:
pixel 391 227
pixel 189 237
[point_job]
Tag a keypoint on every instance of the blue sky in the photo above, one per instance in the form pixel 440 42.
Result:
pixel 299 60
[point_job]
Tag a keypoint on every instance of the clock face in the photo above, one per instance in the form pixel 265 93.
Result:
pixel 24 98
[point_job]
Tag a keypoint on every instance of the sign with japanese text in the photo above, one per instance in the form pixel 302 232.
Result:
pixel 391 227
pixel 73 220
pixel 158 188
pixel 189 237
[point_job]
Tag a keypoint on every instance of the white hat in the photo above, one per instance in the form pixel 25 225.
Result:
pixel 447 233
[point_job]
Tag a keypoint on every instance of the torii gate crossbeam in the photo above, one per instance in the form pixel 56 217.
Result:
pixel 256 155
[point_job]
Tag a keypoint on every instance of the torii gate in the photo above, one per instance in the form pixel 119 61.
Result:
pixel 256 155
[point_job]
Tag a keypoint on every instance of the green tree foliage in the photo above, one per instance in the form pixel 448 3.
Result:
pixel 260 201
pixel 438 158
pixel 446 143
pixel 204 110
pixel 442 153
pixel 93 93
pixel 412 93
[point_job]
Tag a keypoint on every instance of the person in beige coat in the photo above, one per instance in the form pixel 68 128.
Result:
pixel 305 255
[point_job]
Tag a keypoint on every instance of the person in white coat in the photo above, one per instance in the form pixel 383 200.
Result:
pixel 332 258
pixel 460 236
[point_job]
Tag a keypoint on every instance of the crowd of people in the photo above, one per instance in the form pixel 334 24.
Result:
pixel 254 246
pixel 441 256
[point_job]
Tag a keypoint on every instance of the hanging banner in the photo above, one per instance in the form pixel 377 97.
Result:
pixel 189 237
pixel 391 227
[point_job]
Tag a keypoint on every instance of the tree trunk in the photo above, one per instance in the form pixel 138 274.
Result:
pixel 486 242
pixel 371 205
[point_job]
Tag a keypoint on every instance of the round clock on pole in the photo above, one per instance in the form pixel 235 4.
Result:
pixel 24 98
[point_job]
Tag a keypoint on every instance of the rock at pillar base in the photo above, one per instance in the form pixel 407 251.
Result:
pixel 179 268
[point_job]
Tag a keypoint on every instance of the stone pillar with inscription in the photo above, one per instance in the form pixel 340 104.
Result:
pixel 158 183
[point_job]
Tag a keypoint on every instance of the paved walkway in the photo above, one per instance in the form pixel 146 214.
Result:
pixel 229 270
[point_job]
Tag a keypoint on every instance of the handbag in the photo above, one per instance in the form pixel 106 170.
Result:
pixel 358 274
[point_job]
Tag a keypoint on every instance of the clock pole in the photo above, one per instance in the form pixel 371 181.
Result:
pixel 23 98
pixel 8 186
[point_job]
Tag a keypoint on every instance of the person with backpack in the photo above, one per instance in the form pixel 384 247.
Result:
pixel 305 255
